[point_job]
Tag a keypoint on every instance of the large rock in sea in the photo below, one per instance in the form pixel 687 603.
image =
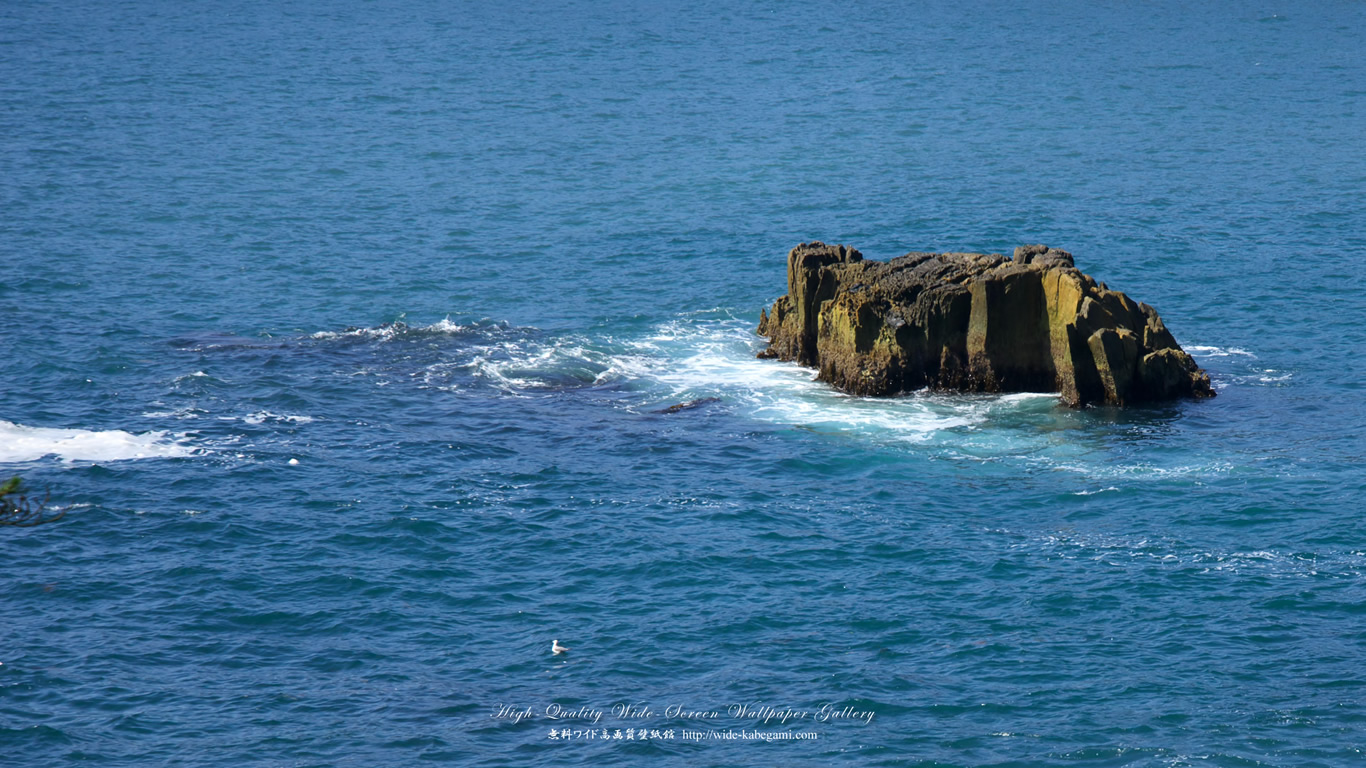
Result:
pixel 973 322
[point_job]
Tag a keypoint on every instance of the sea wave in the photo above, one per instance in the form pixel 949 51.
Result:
pixel 695 356
pixel 184 412
pixel 712 354
pixel 261 417
pixel 398 329
pixel 19 443
pixel 1204 350
pixel 1238 367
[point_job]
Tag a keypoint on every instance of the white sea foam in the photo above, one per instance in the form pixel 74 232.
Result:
pixel 532 365
pixel 261 417
pixel 1200 350
pixel 709 355
pixel 22 443
pixel 1236 367
pixel 386 331
pixel 187 412
pixel 1098 490
pixel 444 325
pixel 1144 469
pixel 712 354
pixel 704 357
pixel 397 328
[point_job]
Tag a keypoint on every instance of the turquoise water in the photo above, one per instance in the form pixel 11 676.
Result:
pixel 341 331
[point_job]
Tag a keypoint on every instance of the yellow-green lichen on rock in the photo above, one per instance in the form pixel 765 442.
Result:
pixel 973 322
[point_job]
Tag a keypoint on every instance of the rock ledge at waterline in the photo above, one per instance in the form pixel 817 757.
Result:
pixel 973 322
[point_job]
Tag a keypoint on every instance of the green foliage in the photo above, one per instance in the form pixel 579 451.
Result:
pixel 18 509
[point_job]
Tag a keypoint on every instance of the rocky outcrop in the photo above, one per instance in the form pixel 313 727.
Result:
pixel 973 322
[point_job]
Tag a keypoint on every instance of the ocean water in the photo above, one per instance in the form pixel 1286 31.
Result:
pixel 341 330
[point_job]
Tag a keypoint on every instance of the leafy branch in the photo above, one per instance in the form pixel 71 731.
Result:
pixel 19 509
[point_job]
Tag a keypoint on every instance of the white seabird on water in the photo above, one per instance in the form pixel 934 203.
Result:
pixel 556 648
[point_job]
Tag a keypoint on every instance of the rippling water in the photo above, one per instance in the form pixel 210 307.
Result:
pixel 345 333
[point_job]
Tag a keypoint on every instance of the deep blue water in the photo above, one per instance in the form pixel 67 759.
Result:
pixel 340 328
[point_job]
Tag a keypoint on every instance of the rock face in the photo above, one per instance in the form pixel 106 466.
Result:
pixel 973 322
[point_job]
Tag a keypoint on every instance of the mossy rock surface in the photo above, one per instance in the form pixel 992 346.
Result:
pixel 973 322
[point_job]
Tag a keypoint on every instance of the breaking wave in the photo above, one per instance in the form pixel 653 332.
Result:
pixel 19 443
pixel 1235 366
pixel 710 355
pixel 399 329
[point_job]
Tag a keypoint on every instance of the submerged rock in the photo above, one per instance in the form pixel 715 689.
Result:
pixel 973 322
pixel 688 406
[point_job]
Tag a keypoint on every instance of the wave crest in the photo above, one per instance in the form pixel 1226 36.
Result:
pixel 19 443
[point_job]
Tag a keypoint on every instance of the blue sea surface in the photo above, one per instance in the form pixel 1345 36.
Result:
pixel 342 330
